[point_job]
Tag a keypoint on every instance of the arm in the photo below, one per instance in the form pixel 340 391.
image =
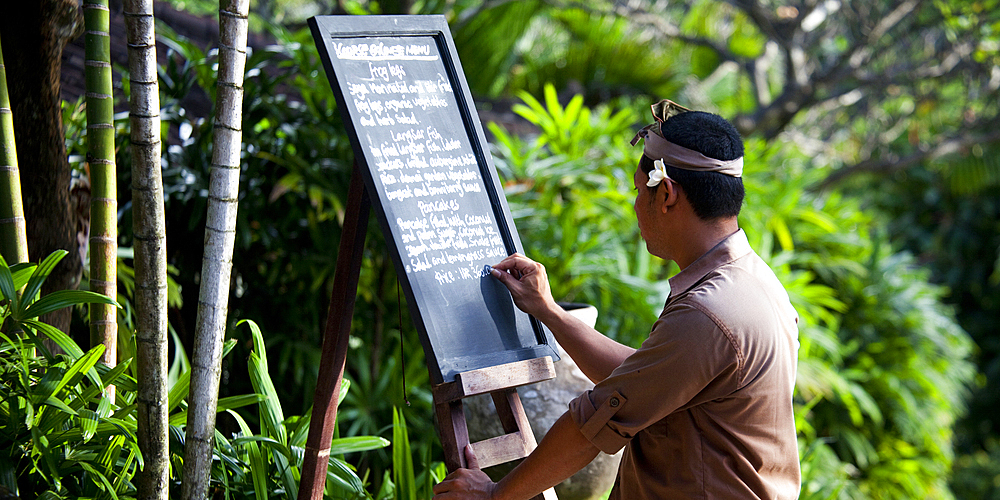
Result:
pixel 528 284
pixel 562 452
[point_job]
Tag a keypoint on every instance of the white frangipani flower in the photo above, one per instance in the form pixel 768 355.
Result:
pixel 658 173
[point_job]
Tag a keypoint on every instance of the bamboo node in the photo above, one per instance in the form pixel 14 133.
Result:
pixel 235 15
pixel 227 127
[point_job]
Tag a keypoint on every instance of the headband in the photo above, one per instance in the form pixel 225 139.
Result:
pixel 656 147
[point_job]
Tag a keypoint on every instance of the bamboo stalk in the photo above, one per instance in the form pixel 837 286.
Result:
pixel 103 179
pixel 149 227
pixel 220 235
pixel 13 239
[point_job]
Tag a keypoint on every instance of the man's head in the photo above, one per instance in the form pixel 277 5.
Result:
pixel 712 195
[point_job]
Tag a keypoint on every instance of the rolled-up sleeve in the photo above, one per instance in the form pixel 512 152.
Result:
pixel 593 419
pixel 687 360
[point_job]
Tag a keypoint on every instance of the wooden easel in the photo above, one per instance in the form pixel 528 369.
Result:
pixel 498 381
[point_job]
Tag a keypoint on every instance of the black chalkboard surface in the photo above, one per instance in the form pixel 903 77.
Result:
pixel 404 98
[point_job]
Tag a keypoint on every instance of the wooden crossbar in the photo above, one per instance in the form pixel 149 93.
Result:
pixel 500 382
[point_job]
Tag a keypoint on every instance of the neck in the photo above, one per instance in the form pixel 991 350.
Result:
pixel 700 237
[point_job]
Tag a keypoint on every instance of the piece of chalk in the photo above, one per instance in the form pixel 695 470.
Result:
pixel 487 269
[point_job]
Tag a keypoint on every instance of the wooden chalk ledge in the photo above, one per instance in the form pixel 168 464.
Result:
pixel 495 378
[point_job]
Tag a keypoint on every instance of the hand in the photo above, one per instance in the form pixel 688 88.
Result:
pixel 470 483
pixel 527 282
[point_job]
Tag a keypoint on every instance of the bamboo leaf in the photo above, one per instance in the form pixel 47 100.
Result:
pixel 54 401
pixel 7 283
pixel 228 403
pixel 270 407
pixel 258 466
pixel 117 375
pixel 55 335
pixel 341 446
pixel 103 482
pixel 340 474
pixel 82 365
pixel 88 423
pixel 38 277
pixel 402 460
pixel 179 391
pixel 64 298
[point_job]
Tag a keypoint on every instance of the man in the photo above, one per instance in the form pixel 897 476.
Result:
pixel 704 406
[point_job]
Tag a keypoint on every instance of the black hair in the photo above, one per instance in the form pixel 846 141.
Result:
pixel 712 195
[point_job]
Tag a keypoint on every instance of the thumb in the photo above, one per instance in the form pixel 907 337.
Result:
pixel 506 278
pixel 471 462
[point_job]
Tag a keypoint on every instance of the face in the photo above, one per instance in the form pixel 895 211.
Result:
pixel 643 205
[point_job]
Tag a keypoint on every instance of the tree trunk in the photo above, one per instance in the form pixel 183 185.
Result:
pixel 34 34
pixel 149 227
pixel 217 263
pixel 103 178
pixel 13 241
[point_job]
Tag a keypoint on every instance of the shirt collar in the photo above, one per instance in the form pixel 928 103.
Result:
pixel 733 247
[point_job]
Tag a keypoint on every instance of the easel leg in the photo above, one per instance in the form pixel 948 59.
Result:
pixel 454 433
pixel 335 337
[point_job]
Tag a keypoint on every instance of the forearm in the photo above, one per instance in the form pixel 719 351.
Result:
pixel 562 452
pixel 595 354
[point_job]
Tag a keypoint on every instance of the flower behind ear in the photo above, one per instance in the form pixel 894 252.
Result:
pixel 658 173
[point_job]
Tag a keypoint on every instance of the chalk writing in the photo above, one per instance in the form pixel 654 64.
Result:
pixel 446 226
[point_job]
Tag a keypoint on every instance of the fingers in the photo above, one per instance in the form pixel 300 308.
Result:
pixel 517 266
pixel 470 458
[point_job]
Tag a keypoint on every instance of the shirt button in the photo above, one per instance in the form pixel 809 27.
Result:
pixel 614 402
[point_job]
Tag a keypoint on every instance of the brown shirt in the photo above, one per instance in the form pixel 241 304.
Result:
pixel 704 407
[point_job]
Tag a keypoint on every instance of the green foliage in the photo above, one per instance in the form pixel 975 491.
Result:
pixel 569 192
pixel 65 438
pixel 526 45
pixel 62 436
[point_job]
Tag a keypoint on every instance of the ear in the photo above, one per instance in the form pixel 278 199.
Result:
pixel 670 195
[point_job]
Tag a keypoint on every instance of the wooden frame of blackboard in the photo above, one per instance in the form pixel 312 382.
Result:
pixel 433 321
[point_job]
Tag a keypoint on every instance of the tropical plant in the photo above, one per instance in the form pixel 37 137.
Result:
pixel 62 435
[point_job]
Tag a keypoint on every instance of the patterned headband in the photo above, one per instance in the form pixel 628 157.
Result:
pixel 656 147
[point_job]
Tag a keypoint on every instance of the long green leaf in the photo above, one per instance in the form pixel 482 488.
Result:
pixel 103 482
pixel 37 278
pixel 402 460
pixel 65 343
pixel 88 423
pixel 7 283
pixel 271 414
pixel 354 444
pixel 55 335
pixel 228 403
pixel 64 298
pixel 22 272
pixel 179 391
pixel 82 365
pixel 340 474
pixel 258 466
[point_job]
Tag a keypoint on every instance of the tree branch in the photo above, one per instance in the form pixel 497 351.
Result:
pixel 894 163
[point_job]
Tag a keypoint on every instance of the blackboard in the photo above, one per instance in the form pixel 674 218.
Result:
pixel 403 96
